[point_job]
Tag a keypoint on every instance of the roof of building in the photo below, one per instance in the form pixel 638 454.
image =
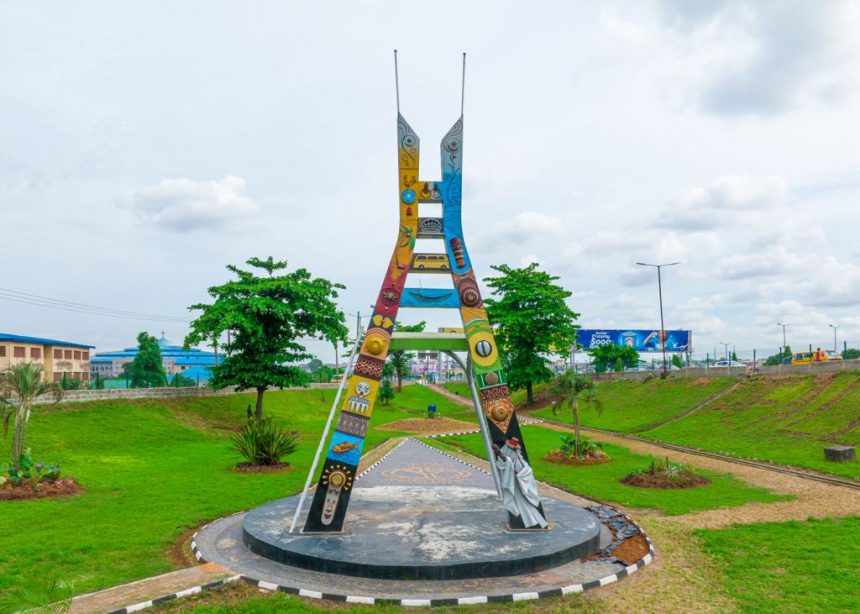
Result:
pixel 181 356
pixel 42 341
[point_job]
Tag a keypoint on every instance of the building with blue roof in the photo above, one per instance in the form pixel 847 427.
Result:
pixel 59 359
pixel 174 358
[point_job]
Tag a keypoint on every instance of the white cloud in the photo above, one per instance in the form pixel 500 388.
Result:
pixel 720 202
pixel 763 58
pixel 523 228
pixel 184 204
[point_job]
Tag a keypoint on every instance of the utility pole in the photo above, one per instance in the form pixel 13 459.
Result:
pixel 782 353
pixel 835 345
pixel 723 343
pixel 660 294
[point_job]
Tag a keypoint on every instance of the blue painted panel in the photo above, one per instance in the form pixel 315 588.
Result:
pixel 351 446
pixel 429 297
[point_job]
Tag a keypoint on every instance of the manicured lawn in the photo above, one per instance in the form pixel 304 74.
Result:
pixel 806 566
pixel 152 470
pixel 629 405
pixel 787 420
pixel 601 482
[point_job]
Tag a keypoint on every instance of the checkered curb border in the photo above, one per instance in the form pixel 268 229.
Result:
pixel 143 605
pixel 452 457
pixel 379 462
pixel 472 600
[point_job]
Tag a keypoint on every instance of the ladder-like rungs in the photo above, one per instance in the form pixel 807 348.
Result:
pixel 453 342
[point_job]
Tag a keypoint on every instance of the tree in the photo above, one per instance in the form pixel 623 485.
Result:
pixel 531 319
pixel 776 359
pixel 20 386
pixel 619 365
pixel 609 353
pixel 147 370
pixel 268 314
pixel 850 353
pixel 676 361
pixel 401 359
pixel 569 390
pixel 734 356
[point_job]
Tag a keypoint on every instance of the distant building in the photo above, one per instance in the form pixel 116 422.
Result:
pixel 174 358
pixel 59 359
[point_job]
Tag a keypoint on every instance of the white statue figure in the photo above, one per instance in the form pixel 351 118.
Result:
pixel 519 489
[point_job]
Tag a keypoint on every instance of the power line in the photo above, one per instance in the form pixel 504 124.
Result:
pixel 51 303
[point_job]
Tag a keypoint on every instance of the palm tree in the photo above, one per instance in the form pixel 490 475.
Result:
pixel 569 389
pixel 21 386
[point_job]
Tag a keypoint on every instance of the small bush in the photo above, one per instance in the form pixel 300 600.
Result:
pixel 29 472
pixel 586 446
pixel 264 442
pixel 663 473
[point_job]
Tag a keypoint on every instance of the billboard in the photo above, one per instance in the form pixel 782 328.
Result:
pixel 640 340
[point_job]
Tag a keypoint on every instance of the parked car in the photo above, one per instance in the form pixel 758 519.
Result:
pixel 729 363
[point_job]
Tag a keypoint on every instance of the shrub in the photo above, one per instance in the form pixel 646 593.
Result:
pixel 262 441
pixel 586 446
pixel 29 471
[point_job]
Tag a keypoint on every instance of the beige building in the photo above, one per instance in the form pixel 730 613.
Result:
pixel 58 358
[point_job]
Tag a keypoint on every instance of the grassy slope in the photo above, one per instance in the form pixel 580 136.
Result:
pixel 790 566
pixel 601 482
pixel 630 405
pixel 153 469
pixel 787 420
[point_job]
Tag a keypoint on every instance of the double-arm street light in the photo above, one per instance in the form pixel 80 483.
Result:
pixel 781 354
pixel 660 293
pixel 835 347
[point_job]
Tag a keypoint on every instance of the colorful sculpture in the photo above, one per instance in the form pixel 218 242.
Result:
pixel 331 498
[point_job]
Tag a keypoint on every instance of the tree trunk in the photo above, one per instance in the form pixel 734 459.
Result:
pixel 399 381
pixel 530 400
pixel 575 408
pixel 259 409
pixel 16 440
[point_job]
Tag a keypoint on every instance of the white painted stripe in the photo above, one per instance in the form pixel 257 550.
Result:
pixel 189 591
pixel 365 600
pixel 306 593
pixel 573 588
pixel 193 545
pixel 415 602
pixel 138 606
pixel 632 569
pixel 472 600
pixel 608 580
pixel 197 555
pixel 268 586
pixel 524 596
pixel 232 578
pixel 647 558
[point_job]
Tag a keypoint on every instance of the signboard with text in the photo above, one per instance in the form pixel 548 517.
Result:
pixel 640 340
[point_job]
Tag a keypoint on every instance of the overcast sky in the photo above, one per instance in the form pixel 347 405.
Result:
pixel 143 146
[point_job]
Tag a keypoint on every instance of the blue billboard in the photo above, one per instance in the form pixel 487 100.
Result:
pixel 640 340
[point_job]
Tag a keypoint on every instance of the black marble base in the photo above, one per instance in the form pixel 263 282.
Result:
pixel 424 516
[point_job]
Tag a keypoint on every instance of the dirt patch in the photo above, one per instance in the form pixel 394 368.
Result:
pixel 429 426
pixel 560 458
pixel 631 550
pixel 249 468
pixel 59 488
pixel 649 480
pixel 179 553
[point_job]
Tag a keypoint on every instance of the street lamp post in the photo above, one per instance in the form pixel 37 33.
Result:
pixel 835 347
pixel 783 339
pixel 723 343
pixel 660 293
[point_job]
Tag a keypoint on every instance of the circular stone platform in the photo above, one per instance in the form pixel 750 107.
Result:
pixel 423 528
pixel 425 533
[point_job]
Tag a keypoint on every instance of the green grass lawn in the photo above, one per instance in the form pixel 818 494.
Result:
pixel 806 566
pixel 786 420
pixel 601 482
pixel 630 405
pixel 151 470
